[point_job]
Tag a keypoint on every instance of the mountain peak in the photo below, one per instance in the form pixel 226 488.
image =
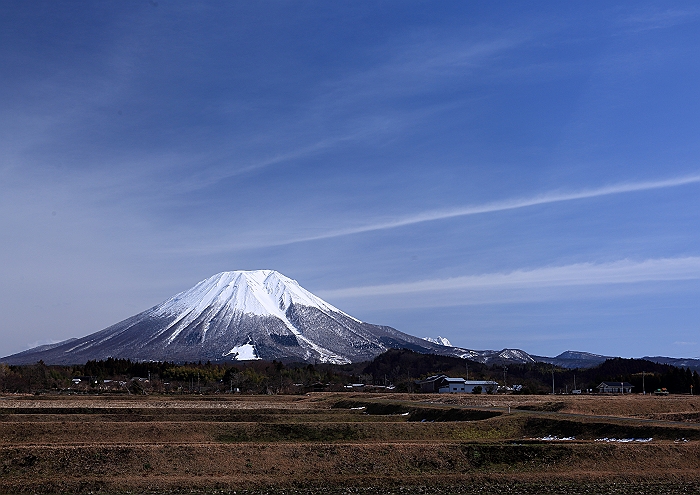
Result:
pixel 580 355
pixel 252 292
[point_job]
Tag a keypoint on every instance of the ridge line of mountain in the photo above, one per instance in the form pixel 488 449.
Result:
pixel 262 314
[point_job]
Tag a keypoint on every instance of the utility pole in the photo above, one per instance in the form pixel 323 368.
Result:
pixel 644 391
pixel 552 379
pixel 466 363
pixel 505 371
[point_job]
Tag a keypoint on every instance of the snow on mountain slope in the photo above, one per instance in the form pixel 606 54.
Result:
pixel 582 356
pixel 241 315
pixel 515 355
pixel 439 340
pixel 245 352
pixel 244 315
pixel 259 292
pixel 264 293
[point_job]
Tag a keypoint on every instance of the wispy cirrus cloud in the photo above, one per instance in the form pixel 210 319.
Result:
pixel 491 207
pixel 655 18
pixel 573 275
pixel 511 204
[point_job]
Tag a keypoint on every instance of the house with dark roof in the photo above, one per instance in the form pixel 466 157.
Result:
pixel 615 388
pixel 431 384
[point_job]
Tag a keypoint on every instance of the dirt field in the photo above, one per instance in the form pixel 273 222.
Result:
pixel 633 406
pixel 349 443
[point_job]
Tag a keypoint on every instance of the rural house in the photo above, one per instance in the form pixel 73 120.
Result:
pixel 431 384
pixel 446 385
pixel 615 388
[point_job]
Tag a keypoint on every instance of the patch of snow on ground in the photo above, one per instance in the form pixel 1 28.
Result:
pixel 623 440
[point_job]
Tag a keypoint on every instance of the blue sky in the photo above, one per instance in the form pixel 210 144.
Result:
pixel 503 175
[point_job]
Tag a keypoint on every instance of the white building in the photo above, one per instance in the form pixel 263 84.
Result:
pixel 615 388
pixel 462 386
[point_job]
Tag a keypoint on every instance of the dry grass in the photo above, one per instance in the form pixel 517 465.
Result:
pixel 270 444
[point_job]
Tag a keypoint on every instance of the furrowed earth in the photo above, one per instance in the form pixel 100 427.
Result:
pixel 337 443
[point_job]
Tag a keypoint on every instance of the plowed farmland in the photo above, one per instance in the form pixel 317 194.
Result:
pixel 349 443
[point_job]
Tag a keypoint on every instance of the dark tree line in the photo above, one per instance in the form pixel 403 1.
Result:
pixel 400 368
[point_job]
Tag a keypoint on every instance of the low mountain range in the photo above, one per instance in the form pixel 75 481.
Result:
pixel 578 359
pixel 260 314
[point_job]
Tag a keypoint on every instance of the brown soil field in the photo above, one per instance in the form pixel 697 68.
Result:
pixel 634 406
pixel 349 443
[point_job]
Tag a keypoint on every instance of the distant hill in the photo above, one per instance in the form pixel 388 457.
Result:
pixel 574 359
pixel 581 360
pixel 693 364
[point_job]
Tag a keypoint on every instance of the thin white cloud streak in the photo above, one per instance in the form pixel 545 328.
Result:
pixel 445 214
pixel 655 19
pixel 497 206
pixel 579 274
pixel 313 149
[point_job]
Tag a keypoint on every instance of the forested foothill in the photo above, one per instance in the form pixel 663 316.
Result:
pixel 394 370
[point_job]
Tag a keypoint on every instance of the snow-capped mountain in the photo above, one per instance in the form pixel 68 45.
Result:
pixel 261 314
pixel 439 340
pixel 494 357
pixel 515 355
pixel 241 315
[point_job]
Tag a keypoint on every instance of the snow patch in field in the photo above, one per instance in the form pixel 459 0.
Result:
pixel 623 440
